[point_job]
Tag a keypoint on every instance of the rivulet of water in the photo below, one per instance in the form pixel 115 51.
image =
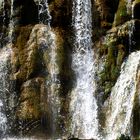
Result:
pixel 54 87
pixel 131 26
pixel 44 13
pixel 53 82
pixel 11 22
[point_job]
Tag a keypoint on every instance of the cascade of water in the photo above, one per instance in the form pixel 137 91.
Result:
pixel 6 94
pixel 4 88
pixel 83 106
pixel 44 13
pixel 121 101
pixel 53 83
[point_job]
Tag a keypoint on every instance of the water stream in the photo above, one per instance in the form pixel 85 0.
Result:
pixel 83 106
pixel 44 13
pixel 4 89
pixel 121 101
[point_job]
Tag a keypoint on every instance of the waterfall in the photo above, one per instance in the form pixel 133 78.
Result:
pixel 44 13
pixel 6 85
pixel 121 101
pixel 4 89
pixel 53 82
pixel 83 106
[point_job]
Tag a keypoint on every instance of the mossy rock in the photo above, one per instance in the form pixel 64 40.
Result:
pixel 123 137
pixel 121 15
pixel 114 55
pixel 136 1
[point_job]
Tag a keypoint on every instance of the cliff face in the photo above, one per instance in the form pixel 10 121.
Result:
pixel 115 35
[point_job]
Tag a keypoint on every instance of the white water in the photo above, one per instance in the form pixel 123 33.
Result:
pixel 121 101
pixel 44 13
pixel 6 99
pixel 83 106
pixel 4 84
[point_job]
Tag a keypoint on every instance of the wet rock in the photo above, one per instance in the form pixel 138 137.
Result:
pixel 136 7
pixel 113 48
pixel 106 9
pixel 30 99
pixel 122 14
pixel 31 65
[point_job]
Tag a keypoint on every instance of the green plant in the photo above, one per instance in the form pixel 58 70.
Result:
pixel 123 137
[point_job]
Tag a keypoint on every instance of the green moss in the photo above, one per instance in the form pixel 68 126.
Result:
pixel 137 1
pixel 123 137
pixel 114 55
pixel 121 15
pixel 108 87
pixel 103 50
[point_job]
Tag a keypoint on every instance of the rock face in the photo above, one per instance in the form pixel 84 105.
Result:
pixel 116 31
pixel 31 67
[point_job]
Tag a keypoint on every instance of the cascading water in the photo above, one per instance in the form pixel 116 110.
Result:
pixel 120 104
pixel 83 106
pixel 4 88
pixel 53 82
pixel 44 13
pixel 7 93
